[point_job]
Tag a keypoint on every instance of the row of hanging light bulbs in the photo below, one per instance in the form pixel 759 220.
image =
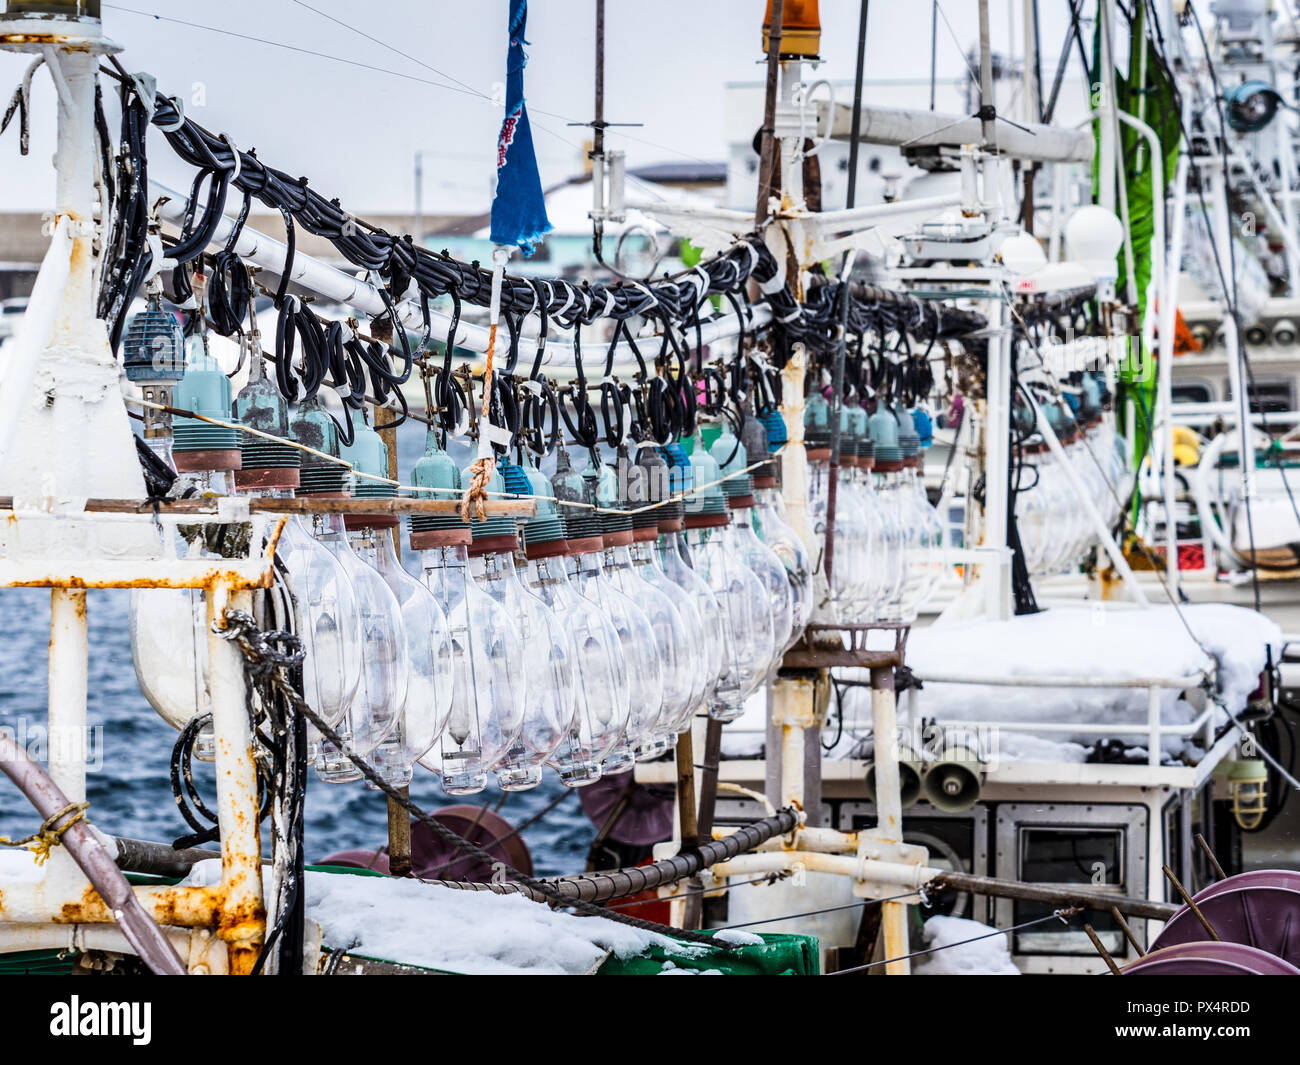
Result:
pixel 1055 527
pixel 888 537
pixel 582 639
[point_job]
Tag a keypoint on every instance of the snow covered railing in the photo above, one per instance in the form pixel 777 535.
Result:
pixel 1154 728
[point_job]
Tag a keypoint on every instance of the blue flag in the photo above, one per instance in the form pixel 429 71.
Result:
pixel 518 210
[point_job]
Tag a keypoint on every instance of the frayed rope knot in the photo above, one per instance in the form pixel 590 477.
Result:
pixel 50 834
pixel 476 492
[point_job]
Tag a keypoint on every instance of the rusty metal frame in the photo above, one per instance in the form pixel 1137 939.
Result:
pixel 234 908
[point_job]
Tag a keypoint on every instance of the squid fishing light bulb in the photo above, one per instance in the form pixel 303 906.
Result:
pixel 635 633
pixel 601 698
pixel 547 655
pixel 488 686
pixel 385 667
pixel 677 657
pixel 768 517
pixel 675 559
pixel 742 598
pixel 646 561
pixel 738 489
pixel 427 699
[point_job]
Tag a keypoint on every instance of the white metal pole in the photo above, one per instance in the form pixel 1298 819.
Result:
pixel 997 444
pixel 1216 191
pixel 242 920
pixel 1165 371
pixel 67 742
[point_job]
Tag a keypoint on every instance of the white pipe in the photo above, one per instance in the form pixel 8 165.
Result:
pixel 1165 382
pixel 1216 181
pixel 241 866
pixel 1104 729
pixel 855 217
pixel 997 442
pixel 338 286
pixel 68 664
pixel 1060 680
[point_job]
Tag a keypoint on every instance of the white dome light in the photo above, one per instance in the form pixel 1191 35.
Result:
pixel 1094 236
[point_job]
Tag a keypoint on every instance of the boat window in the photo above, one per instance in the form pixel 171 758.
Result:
pixel 1091 856
pixel 1192 392
pixel 1269 395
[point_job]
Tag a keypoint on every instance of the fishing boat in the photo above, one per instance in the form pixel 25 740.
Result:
pixel 901 587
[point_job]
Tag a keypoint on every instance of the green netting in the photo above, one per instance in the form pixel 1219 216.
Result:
pixel 779 954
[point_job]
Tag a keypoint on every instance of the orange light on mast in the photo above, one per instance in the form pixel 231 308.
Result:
pixel 801 28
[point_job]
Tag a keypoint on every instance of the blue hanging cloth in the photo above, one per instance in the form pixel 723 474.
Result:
pixel 518 209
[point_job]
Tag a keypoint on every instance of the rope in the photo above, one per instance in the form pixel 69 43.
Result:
pixel 50 834
pixel 263 660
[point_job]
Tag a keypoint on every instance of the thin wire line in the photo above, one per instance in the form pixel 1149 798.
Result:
pixel 1055 915
pixel 960 51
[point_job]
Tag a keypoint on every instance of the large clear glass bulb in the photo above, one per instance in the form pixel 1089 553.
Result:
pixel 860 568
pixel 428 649
pixel 745 615
pixel 677 658
pixel 385 668
pixel 768 568
pixel 646 561
pixel 547 661
pixel 674 557
pixel 328 623
pixel 601 697
pixel 487 704
pixel 640 652
pixel 769 521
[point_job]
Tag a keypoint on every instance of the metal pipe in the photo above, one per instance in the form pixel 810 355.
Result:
pixel 987 116
pixel 90 855
pixel 243 914
pixel 1165 381
pixel 767 142
pixel 157 859
pixel 889 807
pixel 67 687
pixel 1060 680
pixel 1215 178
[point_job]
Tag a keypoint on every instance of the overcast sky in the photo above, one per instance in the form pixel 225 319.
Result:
pixel 425 82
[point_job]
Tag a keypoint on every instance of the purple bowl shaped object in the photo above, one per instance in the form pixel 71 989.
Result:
pixel 434 859
pixel 1255 915
pixel 1210 959
pixel 1279 878
pixel 646 818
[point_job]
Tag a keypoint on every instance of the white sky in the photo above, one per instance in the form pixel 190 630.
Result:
pixel 354 131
